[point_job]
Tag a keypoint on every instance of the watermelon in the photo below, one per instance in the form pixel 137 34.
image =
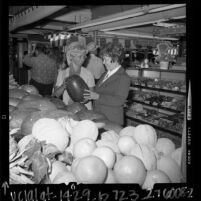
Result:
pixel 29 88
pixel 91 115
pixel 75 87
pixel 14 101
pixel 31 97
pixel 17 117
pixel 17 93
pixel 57 102
pixel 75 107
pixel 41 104
pixel 11 108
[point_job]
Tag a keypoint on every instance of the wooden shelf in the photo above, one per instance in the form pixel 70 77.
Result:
pixel 163 70
pixel 156 69
pixel 158 107
pixel 159 89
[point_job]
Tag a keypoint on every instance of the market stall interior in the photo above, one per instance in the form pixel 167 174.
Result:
pixel 79 141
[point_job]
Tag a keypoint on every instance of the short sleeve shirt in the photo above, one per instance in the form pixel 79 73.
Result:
pixel 85 74
pixel 44 69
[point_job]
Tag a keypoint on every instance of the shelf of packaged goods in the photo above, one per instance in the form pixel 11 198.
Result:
pixel 158 107
pixel 178 134
pixel 158 89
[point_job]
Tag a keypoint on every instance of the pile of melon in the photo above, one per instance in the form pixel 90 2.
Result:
pixel 84 154
pixel 134 155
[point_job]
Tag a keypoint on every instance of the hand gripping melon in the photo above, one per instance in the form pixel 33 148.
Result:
pixel 75 88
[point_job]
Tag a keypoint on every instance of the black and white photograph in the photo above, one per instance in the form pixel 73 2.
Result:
pixel 97 94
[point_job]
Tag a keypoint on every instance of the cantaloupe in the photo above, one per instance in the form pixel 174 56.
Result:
pixel 110 177
pixel 50 131
pixel 126 143
pixel 128 131
pixel 145 154
pixel 83 147
pixel 171 168
pixel 130 169
pixel 57 167
pixel 27 124
pixel 165 146
pixel 91 169
pixel 84 129
pixel 106 154
pixel 155 177
pixel 110 135
pixel 145 134
pixel 108 143
pixel 64 177
pixel 176 155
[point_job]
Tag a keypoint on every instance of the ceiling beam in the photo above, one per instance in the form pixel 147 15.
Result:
pixel 139 21
pixel 19 36
pixel 32 15
pixel 139 35
pixel 172 31
pixel 126 15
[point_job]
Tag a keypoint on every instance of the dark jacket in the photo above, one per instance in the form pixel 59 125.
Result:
pixel 113 94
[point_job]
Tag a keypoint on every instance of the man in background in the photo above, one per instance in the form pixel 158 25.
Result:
pixel 43 70
pixel 95 64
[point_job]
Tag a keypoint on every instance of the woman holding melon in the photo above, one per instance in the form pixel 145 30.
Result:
pixel 112 89
pixel 76 55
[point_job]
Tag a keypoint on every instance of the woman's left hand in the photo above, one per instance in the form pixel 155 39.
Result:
pixel 90 95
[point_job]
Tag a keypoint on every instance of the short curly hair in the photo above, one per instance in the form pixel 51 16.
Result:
pixel 113 50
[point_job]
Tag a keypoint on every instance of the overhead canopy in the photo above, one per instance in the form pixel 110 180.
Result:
pixel 157 20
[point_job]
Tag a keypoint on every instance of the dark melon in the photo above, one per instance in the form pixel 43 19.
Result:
pixel 91 115
pixel 18 116
pixel 75 107
pixel 29 88
pixel 40 104
pixel 31 97
pixel 11 108
pixel 57 102
pixel 14 101
pixel 75 87
pixel 17 93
